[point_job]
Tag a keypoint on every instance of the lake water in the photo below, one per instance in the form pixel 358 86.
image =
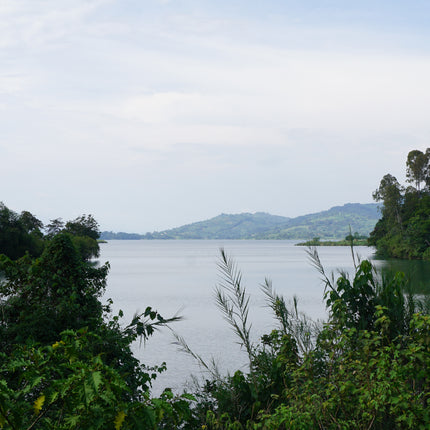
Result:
pixel 180 277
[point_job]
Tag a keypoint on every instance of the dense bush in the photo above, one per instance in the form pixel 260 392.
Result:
pixel 65 361
pixel 365 368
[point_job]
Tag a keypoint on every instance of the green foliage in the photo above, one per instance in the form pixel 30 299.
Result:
pixel 366 368
pixel 369 382
pixel 66 362
pixel 232 300
pixel 59 386
pixel 85 225
pixel 43 297
pixel 404 229
pixel 19 233
pixel 355 239
pixel 417 165
pixel 54 227
pixel 85 232
pixel 65 386
pixel 87 247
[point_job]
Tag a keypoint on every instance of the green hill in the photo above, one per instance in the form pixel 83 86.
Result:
pixel 224 226
pixel 331 224
pixel 334 223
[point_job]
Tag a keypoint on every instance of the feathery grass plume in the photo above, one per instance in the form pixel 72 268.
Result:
pixel 292 322
pixel 233 301
pixel 314 258
pixel 184 347
pixel 278 305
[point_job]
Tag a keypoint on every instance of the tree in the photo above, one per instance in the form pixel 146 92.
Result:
pixel 417 165
pixel 65 362
pixel 11 233
pixel 85 225
pixel 23 233
pixel 41 298
pixel 31 224
pixel 403 231
pixel 427 178
pixel 19 233
pixel 390 192
pixel 85 231
pixel 54 227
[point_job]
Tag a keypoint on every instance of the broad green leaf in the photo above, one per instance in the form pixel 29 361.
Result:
pixel 96 380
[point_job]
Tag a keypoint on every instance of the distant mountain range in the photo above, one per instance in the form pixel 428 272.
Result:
pixel 334 223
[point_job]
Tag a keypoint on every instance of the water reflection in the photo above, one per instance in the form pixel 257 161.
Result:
pixel 417 272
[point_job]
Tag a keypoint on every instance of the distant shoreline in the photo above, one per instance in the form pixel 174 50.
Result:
pixel 313 242
pixel 334 224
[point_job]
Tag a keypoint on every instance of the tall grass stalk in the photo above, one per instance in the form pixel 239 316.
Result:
pixel 233 301
pixel 292 322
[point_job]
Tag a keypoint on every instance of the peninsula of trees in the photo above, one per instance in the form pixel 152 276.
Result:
pixel 404 229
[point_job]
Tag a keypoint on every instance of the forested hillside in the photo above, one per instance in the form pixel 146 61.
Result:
pixel 224 226
pixel 334 223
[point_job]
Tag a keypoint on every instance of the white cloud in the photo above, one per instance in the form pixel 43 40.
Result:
pixel 291 90
pixel 38 23
pixel 158 108
pixel 10 84
pixel 154 98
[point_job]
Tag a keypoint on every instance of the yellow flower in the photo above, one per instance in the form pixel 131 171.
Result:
pixel 57 344
pixel 38 403
pixel 119 419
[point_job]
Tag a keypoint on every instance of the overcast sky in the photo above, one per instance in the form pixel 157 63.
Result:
pixel 151 114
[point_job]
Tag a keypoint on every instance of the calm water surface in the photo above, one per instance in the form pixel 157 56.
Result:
pixel 180 277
